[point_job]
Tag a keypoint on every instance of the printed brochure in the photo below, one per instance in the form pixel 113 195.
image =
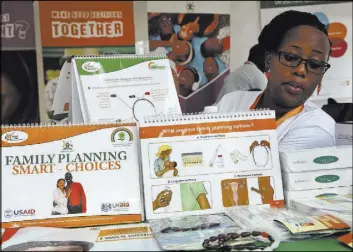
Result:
pixel 201 164
pixel 70 175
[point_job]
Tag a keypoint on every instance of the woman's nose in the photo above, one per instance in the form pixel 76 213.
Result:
pixel 300 70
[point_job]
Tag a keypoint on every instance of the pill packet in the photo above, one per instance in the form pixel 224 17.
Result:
pixel 189 232
pixel 263 215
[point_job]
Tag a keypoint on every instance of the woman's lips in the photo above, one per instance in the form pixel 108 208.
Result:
pixel 293 88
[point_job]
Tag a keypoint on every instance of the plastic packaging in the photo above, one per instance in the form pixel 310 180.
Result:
pixel 256 216
pixel 201 227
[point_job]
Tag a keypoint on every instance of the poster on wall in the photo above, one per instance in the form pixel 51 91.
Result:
pixel 81 28
pixel 17 25
pixel 19 90
pixel 199 45
pixel 337 16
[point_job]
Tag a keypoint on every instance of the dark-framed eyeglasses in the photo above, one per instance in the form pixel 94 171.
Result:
pixel 294 60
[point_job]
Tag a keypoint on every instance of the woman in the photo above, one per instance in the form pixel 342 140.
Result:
pixel 297 50
pixel 60 198
pixel 161 164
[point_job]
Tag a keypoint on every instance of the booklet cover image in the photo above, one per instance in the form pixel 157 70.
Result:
pixel 70 171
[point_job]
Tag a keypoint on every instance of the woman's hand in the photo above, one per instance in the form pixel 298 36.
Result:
pixel 68 193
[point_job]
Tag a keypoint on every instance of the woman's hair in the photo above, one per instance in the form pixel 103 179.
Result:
pixel 273 33
pixel 257 56
pixel 57 182
pixel 163 148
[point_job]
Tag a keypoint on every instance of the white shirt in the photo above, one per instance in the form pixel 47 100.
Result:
pixel 246 77
pixel 311 128
pixel 61 201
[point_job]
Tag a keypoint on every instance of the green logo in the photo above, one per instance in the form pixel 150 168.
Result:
pixel 327 178
pixel 154 66
pixel 325 160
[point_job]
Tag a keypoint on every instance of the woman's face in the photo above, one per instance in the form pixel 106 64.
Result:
pixel 61 184
pixel 165 25
pixel 292 86
pixel 165 154
pixel 10 98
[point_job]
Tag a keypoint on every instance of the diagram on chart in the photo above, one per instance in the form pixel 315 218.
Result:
pixel 260 152
pixel 139 105
pixel 247 191
pixel 199 157
pixel 190 196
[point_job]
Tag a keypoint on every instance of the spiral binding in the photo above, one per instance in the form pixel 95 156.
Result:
pixel 61 124
pixel 121 56
pixel 160 118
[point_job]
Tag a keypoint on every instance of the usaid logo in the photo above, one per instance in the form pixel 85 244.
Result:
pixel 8 213
pixel 91 66
pixel 14 137
pixel 17 213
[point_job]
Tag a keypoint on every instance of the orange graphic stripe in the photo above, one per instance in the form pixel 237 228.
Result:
pixel 38 135
pixel 67 222
pixel 207 128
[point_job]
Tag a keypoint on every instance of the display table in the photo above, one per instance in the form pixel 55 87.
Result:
pixel 328 244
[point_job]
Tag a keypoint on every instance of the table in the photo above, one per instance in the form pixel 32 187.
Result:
pixel 327 244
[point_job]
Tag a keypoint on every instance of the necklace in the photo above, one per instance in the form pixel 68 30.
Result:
pixel 219 242
pixel 199 227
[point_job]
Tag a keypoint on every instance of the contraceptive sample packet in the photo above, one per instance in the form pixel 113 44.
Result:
pixel 70 175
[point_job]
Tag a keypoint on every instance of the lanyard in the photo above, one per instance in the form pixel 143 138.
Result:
pixel 289 114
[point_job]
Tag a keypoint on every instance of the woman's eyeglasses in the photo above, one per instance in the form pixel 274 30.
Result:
pixel 294 60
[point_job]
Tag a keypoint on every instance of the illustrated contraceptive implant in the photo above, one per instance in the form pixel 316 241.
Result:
pixel 214 156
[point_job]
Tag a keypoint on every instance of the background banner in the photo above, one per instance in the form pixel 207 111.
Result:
pixel 199 44
pixel 337 16
pixel 86 23
pixel 81 28
pixel 17 25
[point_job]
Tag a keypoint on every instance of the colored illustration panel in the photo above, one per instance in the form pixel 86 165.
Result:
pixel 199 44
pixel 190 196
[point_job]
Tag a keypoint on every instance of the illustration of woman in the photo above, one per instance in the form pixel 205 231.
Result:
pixel 60 198
pixel 162 163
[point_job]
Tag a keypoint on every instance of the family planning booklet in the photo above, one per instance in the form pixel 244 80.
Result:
pixel 108 88
pixel 70 175
pixel 202 164
pixel 129 237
